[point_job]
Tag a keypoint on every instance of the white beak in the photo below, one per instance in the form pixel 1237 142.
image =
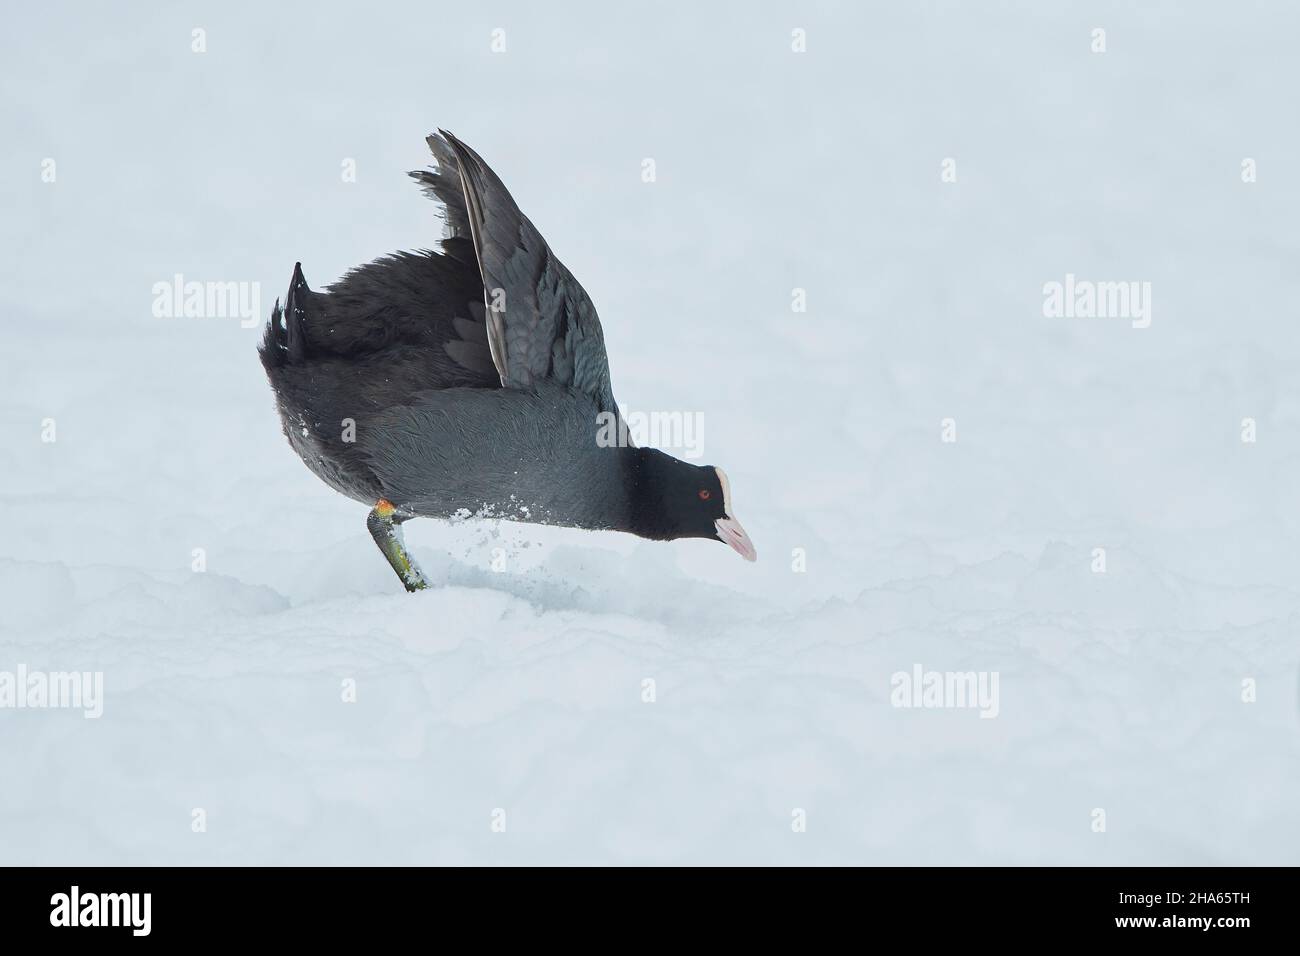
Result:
pixel 730 531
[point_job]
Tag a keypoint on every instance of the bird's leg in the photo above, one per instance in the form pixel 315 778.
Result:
pixel 384 523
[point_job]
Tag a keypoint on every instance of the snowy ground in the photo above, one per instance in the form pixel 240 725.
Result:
pixel 519 696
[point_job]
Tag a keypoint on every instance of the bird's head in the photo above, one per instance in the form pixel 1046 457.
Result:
pixel 675 499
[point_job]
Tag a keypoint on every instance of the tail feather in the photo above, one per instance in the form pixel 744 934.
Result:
pixel 271 351
pixel 295 314
pixel 285 339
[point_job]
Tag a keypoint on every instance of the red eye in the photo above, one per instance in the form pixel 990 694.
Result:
pixel 705 494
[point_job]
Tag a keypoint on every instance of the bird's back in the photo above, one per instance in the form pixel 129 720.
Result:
pixel 386 331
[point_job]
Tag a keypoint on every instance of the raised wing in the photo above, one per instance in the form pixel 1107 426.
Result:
pixel 540 322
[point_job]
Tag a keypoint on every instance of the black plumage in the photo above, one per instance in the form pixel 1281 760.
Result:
pixel 473 380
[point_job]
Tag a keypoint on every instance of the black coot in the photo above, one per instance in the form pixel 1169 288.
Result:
pixel 474 382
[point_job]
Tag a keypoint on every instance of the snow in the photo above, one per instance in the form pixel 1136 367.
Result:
pixel 520 695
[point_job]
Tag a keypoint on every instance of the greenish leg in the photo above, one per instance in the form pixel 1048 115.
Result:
pixel 385 527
